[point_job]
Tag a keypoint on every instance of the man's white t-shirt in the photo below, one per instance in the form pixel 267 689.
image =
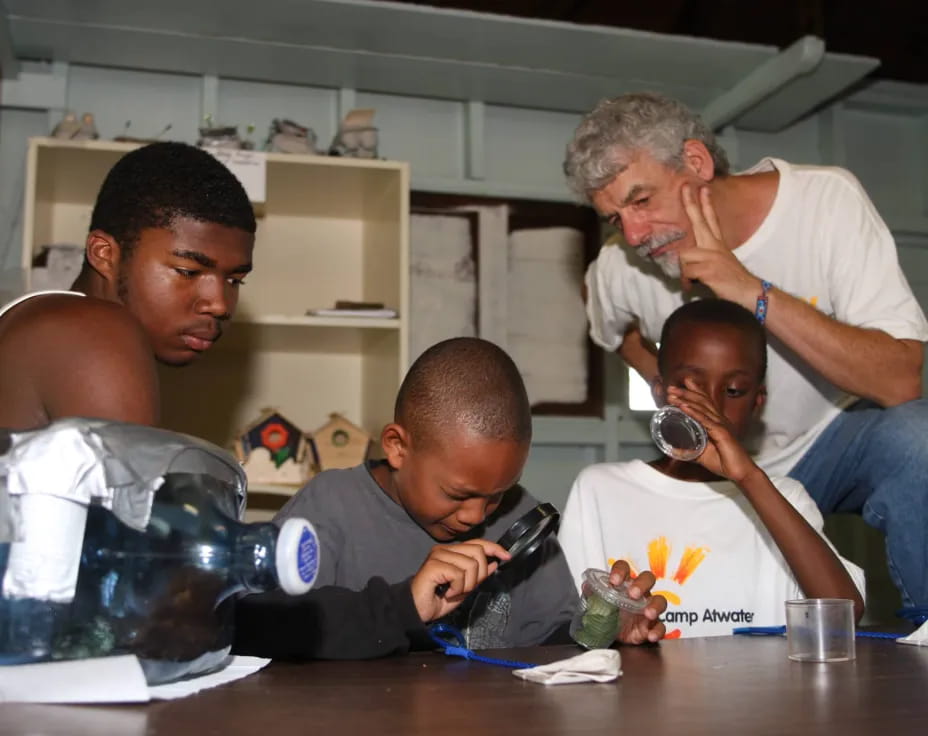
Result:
pixel 823 242
pixel 714 559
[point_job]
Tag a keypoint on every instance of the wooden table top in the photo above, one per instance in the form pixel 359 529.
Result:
pixel 724 685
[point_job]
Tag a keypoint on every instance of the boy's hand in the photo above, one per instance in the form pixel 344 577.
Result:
pixel 642 627
pixel 724 454
pixel 462 566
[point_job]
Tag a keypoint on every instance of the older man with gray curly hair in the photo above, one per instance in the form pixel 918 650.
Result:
pixel 804 249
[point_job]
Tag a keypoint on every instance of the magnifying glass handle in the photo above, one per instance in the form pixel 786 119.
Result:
pixel 442 588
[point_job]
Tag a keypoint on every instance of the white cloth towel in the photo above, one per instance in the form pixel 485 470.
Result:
pixel 919 637
pixel 596 665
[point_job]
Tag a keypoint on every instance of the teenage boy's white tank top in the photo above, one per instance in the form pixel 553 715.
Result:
pixel 19 300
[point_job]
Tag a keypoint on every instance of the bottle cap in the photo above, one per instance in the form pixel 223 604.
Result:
pixel 297 556
pixel 598 582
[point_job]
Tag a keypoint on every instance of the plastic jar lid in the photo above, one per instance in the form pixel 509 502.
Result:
pixel 598 582
pixel 297 556
pixel 677 434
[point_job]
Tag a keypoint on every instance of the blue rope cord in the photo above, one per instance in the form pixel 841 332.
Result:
pixel 760 630
pixel 878 635
pixel 781 630
pixel 437 631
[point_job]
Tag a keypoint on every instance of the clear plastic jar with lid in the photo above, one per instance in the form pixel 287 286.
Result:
pixel 596 622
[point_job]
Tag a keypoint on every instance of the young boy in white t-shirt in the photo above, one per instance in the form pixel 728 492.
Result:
pixel 728 544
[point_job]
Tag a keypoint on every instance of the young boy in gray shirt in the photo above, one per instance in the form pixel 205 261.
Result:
pixel 392 532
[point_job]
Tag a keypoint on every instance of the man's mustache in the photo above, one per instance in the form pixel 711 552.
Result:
pixel 649 245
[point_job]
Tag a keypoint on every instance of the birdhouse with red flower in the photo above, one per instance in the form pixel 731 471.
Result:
pixel 274 451
pixel 340 443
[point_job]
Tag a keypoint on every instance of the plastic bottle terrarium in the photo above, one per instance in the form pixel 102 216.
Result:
pixel 129 542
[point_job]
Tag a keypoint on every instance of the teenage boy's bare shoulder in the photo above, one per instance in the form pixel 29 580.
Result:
pixel 65 355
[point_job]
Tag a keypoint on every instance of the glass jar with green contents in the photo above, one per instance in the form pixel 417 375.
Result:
pixel 596 622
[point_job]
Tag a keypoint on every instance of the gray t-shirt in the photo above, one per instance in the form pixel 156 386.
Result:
pixel 364 533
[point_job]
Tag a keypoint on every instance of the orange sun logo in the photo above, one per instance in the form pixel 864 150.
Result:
pixel 659 550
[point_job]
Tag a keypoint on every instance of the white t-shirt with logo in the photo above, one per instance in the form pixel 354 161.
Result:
pixel 822 241
pixel 714 559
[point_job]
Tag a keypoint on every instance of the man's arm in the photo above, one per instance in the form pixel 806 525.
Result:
pixel 635 350
pixel 865 362
pixel 609 321
pixel 862 361
pixel 639 353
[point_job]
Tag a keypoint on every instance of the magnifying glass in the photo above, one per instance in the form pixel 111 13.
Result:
pixel 523 537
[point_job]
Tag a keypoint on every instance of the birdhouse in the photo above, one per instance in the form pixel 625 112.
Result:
pixel 340 443
pixel 273 450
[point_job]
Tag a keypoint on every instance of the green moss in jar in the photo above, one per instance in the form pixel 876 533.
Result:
pixel 598 624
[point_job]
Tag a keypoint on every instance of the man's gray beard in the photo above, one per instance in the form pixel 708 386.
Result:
pixel 669 263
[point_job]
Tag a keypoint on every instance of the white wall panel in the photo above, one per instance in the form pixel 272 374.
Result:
pixel 429 134
pixel 883 151
pixel 16 127
pixel 527 146
pixel 551 470
pixel 798 143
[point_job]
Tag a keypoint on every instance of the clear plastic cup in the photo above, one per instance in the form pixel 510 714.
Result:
pixel 596 622
pixel 820 630
pixel 677 434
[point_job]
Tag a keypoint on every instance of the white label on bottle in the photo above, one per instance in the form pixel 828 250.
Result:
pixel 44 565
pixel 249 167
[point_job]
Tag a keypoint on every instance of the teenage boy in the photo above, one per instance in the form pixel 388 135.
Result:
pixel 170 240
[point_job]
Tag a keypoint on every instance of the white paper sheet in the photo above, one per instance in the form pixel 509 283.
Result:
pixel 238 668
pixel 249 167
pixel 102 680
pixel 365 313
pixel 107 680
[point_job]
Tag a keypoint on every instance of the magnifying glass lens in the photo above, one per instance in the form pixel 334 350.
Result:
pixel 524 536
pixel 530 540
